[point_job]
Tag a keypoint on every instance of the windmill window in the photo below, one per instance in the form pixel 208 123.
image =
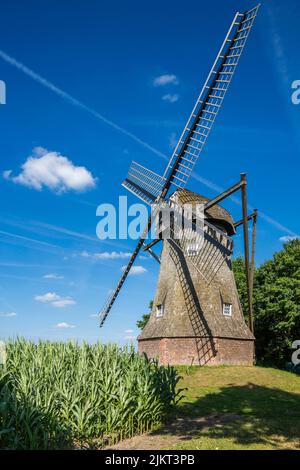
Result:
pixel 159 310
pixel 193 249
pixel 227 310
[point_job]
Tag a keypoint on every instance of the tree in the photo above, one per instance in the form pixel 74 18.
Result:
pixel 144 320
pixel 238 267
pixel 276 303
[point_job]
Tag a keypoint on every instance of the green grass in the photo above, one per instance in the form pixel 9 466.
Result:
pixel 55 395
pixel 238 408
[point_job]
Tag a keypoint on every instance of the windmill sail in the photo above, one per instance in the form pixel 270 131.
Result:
pixel 113 295
pixel 146 184
pixel 151 187
pixel 209 102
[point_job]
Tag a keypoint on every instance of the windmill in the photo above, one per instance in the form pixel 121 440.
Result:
pixel 197 315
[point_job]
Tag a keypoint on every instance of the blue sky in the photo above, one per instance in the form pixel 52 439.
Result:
pixel 107 55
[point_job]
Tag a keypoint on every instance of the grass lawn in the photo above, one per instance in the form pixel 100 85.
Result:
pixel 231 408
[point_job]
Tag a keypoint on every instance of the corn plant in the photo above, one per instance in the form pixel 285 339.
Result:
pixel 57 395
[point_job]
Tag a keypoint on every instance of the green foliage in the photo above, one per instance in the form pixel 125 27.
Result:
pixel 145 318
pixel 276 303
pixel 53 395
pixel 143 321
pixel 238 266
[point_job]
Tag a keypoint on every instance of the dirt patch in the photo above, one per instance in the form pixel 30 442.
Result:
pixel 178 430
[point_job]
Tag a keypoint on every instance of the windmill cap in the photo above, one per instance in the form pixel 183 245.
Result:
pixel 215 214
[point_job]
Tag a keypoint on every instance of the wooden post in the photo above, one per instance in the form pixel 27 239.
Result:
pixel 246 250
pixel 252 269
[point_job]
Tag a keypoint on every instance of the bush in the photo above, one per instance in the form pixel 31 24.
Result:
pixel 276 303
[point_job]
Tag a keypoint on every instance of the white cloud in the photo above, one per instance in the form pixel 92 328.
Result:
pixel 6 174
pixel 52 276
pixel 8 314
pixel 64 325
pixel 171 98
pixel 94 315
pixel 63 302
pixel 135 270
pixel 173 140
pixel 128 331
pixel 48 297
pixel 107 255
pixel 278 45
pixel 55 300
pixel 166 79
pixel 289 238
pixel 53 171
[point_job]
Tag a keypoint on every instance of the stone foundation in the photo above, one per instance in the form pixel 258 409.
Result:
pixel 199 351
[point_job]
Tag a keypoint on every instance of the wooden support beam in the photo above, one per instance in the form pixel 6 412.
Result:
pixel 246 249
pixel 240 222
pixel 252 267
pixel 223 195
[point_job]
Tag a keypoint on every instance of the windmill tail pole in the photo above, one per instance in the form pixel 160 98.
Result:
pixel 246 251
pixel 252 268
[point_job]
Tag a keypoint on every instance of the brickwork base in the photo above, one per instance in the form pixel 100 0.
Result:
pixel 199 351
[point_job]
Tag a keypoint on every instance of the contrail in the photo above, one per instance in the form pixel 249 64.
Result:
pixel 234 199
pixel 69 98
pixel 74 101
pixel 27 239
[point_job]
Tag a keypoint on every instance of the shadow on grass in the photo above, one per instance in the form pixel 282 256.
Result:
pixel 248 414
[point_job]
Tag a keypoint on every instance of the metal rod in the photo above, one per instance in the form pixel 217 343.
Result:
pixel 151 252
pixel 154 255
pixel 151 244
pixel 246 249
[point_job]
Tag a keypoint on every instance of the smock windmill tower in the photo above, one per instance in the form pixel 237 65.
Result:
pixel 197 316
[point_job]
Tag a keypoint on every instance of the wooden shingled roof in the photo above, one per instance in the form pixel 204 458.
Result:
pixel 216 214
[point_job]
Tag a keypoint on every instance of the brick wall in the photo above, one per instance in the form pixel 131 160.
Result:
pixel 199 351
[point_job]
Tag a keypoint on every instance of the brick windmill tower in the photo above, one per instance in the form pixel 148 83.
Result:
pixel 197 316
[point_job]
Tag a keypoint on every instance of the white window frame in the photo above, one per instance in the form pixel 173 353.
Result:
pixel 225 306
pixel 159 310
pixel 193 249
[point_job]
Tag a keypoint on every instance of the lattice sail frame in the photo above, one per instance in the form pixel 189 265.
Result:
pixel 209 102
pixel 144 183
pixel 201 120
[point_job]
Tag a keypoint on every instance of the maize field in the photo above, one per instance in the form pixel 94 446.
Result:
pixel 65 395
